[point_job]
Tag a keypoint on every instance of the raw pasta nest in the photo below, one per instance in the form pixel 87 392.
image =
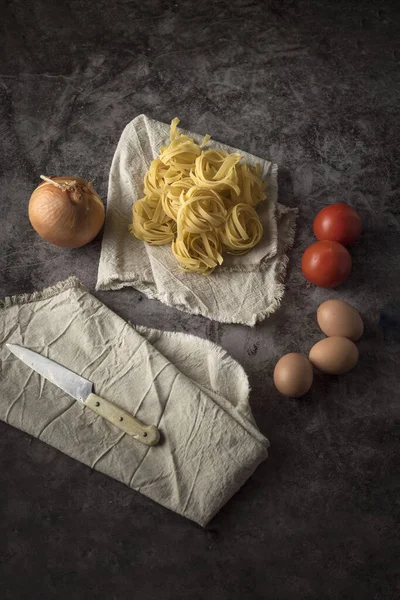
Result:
pixel 200 201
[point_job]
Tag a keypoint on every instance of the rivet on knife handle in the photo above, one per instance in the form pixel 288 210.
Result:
pixel 147 434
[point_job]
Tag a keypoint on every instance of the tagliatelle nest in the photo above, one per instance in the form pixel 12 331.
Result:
pixel 201 202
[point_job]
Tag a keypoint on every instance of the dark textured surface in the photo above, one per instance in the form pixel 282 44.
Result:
pixel 313 86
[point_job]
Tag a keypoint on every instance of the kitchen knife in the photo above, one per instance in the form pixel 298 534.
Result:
pixel 82 390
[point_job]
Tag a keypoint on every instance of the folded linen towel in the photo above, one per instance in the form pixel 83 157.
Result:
pixel 245 289
pixel 190 388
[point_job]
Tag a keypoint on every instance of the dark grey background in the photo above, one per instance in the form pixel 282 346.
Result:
pixel 313 86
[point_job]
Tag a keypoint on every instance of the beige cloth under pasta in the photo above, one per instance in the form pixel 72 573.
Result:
pixel 245 289
pixel 190 388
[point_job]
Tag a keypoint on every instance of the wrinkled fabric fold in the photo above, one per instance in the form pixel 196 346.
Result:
pixel 191 389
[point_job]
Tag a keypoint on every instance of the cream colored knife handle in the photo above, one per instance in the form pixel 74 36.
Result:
pixel 147 434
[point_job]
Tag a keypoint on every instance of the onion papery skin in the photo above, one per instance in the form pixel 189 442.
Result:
pixel 67 218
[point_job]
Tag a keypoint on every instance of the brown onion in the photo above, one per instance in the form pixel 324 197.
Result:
pixel 66 211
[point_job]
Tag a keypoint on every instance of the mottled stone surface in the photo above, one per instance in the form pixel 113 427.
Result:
pixel 313 86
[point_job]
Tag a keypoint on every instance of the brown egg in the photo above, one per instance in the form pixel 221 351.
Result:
pixel 334 355
pixel 293 375
pixel 336 317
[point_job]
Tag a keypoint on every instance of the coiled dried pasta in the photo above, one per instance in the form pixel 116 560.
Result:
pixel 200 210
pixel 199 252
pixel 151 224
pixel 242 229
pixel 200 201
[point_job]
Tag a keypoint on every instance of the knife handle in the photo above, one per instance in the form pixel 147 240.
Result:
pixel 147 434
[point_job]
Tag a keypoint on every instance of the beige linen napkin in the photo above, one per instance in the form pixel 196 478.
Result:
pixel 191 389
pixel 245 289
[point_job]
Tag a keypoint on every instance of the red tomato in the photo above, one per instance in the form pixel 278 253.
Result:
pixel 338 223
pixel 326 264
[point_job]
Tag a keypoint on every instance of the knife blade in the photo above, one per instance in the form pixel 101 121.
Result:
pixel 81 389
